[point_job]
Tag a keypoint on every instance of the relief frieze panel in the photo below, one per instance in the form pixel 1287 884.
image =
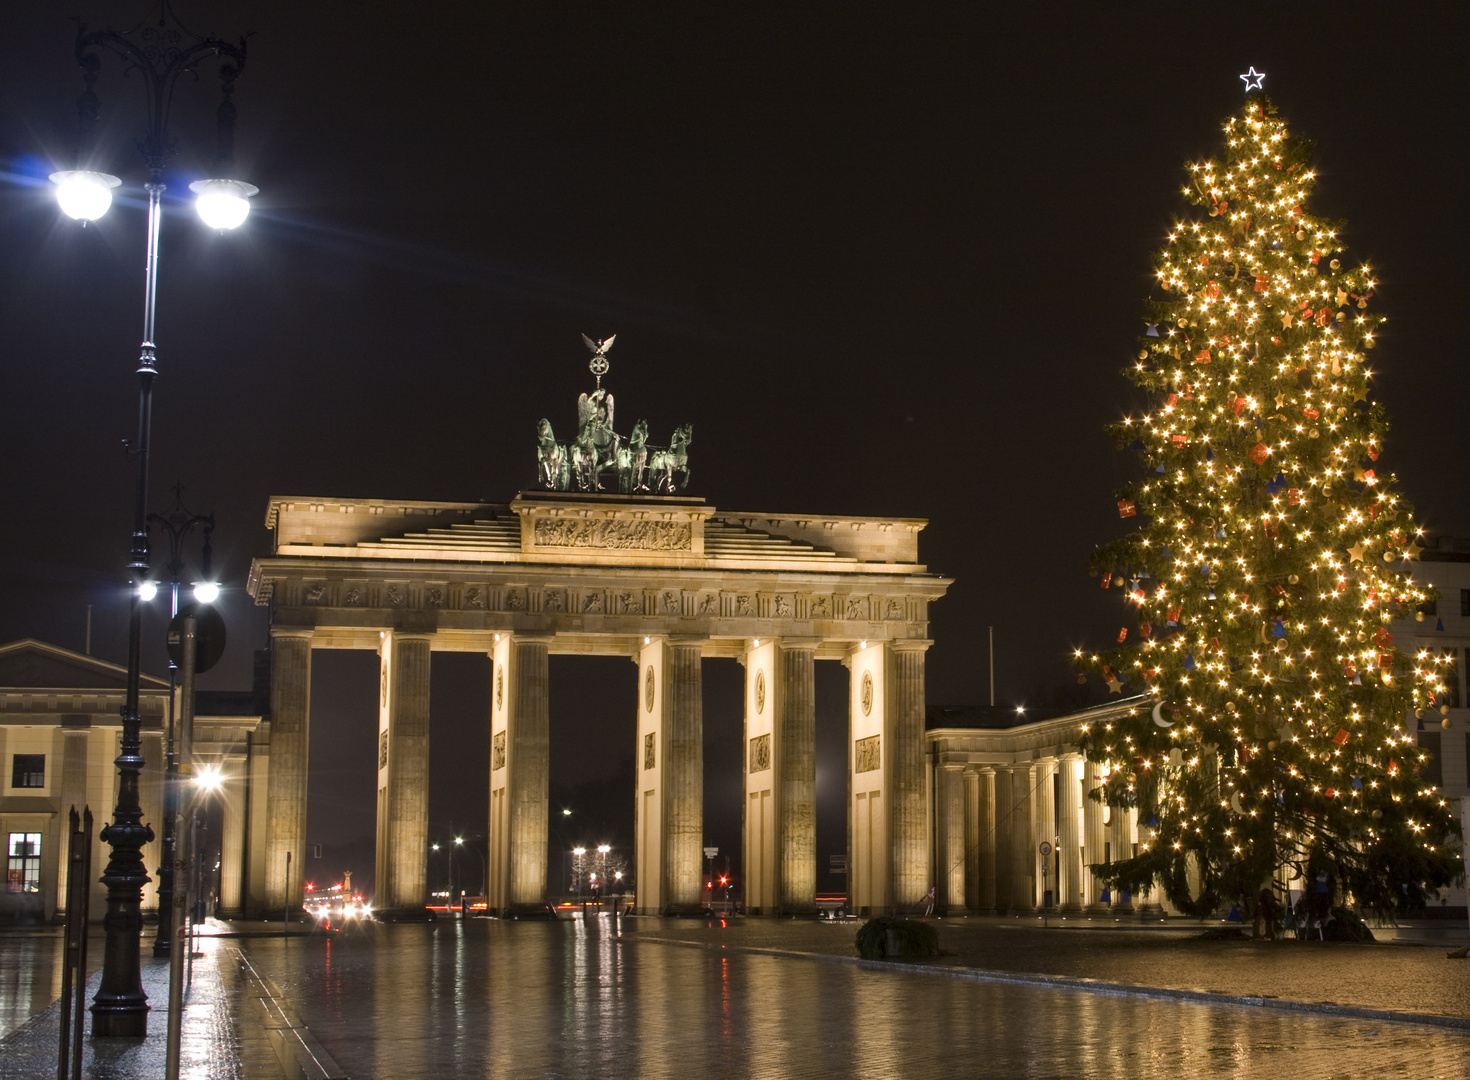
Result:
pixel 612 534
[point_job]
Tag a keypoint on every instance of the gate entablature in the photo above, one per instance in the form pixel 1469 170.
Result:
pixel 598 572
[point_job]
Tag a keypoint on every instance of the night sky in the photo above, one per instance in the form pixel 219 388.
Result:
pixel 887 259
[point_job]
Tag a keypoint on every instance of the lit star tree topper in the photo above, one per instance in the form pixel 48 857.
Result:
pixel 1265 567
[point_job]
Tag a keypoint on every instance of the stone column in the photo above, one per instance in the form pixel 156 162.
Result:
pixel 286 811
pixel 949 781
pixel 1023 855
pixel 1120 845
pixel 869 752
pixel 1094 835
pixel 403 768
pixel 232 837
pixel 257 822
pixel 1001 831
pixel 528 784
pixel 1069 849
pixel 796 727
pixel 985 842
pixel 972 839
pixel 684 778
pixel 73 793
pixel 906 775
pixel 1044 827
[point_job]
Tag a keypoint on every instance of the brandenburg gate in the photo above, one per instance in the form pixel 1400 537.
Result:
pixel 648 573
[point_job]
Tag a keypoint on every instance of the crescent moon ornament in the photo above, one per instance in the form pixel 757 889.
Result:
pixel 1159 718
pixel 1235 802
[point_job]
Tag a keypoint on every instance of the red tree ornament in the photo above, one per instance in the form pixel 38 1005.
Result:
pixel 1126 509
pixel 1260 452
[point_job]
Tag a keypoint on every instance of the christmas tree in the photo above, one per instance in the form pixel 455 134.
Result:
pixel 1277 738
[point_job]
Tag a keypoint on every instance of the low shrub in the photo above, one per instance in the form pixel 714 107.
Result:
pixel 916 940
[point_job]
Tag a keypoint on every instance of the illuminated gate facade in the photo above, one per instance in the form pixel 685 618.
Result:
pixel 663 580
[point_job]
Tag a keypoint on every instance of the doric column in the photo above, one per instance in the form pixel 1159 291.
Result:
pixel 985 842
pixel 949 876
pixel 906 775
pixel 232 837
pixel 971 785
pixel 1120 847
pixel 1094 836
pixel 1002 804
pixel 1069 849
pixel 684 777
pixel 257 820
pixel 1023 854
pixel 286 811
pixel 1044 828
pixel 669 816
pixel 403 773
pixel 796 727
pixel 73 794
pixel 529 780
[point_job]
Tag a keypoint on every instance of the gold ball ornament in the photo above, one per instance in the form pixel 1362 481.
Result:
pixel 1444 710
pixel 1335 264
pixel 1377 814
pixel 1292 579
pixel 1301 234
pixel 1445 723
pixel 1143 354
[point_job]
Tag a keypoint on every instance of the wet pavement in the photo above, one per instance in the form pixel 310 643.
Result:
pixel 523 999
pixel 213 1044
pixel 1418 981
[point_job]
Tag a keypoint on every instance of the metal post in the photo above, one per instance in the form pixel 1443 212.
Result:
pixel 84 924
pixel 73 868
pixel 120 1008
pixel 177 907
pixel 286 907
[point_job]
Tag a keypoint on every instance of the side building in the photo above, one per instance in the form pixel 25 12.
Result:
pixel 60 735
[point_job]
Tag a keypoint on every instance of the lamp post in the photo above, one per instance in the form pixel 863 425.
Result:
pixel 177 524
pixel 157 52
pixel 459 842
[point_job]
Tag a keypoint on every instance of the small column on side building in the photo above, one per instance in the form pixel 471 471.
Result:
pixel 1094 838
pixel 1044 822
pixel 1120 847
pixel 233 797
pixel 949 781
pixel 520 772
pixel 985 840
pixel 1000 823
pixel 257 818
pixel 971 785
pixel 73 794
pixel 286 808
pixel 1069 827
pixel 1023 853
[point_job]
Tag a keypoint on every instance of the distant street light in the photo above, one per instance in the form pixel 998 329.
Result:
pixel 177 524
pixel 157 52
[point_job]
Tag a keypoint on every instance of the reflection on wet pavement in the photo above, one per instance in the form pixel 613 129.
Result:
pixel 534 999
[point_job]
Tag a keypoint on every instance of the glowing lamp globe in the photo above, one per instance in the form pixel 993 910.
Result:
pixel 147 590
pixel 83 194
pixel 223 204
pixel 206 592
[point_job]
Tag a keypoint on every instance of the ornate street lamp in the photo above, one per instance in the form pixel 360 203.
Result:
pixel 156 53
pixel 177 524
